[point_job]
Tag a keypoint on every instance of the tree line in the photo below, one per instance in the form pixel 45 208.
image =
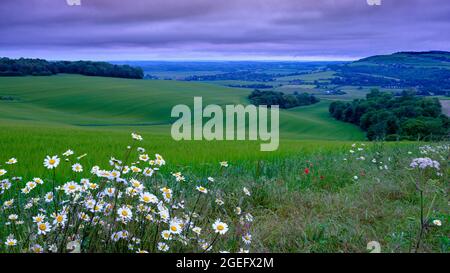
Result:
pixel 387 117
pixel 284 101
pixel 40 67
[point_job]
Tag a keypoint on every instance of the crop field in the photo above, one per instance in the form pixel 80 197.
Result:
pixel 324 190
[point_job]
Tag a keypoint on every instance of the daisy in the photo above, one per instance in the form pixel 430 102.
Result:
pixel 48 197
pixel 148 172
pixel 60 219
pixel 136 137
pixel 71 187
pixel 2 172
pixel 37 180
pixel 247 238
pixel 223 164
pixel 147 197
pixel 159 160
pixel 11 161
pixel 8 203
pixel 38 218
pixel 51 162
pixel 210 179
pixel 246 191
pixel 43 228
pixel 197 230
pixel 163 247
pixel 220 227
pixel 202 189
pixel 10 241
pixel 175 227
pixel 437 223
pixel 125 213
pixel 166 235
pixel 144 157
pixel 37 249
pixel 13 217
pixel 77 168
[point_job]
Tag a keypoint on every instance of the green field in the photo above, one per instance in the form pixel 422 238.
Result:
pixel 51 114
pixel 316 193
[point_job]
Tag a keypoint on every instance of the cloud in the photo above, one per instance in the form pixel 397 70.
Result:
pixel 142 29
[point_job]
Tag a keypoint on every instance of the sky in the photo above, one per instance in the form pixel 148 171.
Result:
pixel 221 29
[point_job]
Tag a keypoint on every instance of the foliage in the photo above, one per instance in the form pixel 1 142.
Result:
pixel 384 116
pixel 283 100
pixel 39 67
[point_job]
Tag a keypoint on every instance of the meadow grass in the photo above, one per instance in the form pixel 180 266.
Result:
pixel 311 195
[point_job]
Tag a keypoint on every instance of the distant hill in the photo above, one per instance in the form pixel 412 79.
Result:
pixel 437 59
pixel 428 73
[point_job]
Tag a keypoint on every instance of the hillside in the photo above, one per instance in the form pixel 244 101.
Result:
pixel 428 73
pixel 109 102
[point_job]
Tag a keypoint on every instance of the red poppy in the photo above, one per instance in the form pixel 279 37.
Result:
pixel 321 177
pixel 306 171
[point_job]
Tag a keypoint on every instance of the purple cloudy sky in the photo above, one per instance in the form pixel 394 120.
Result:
pixel 221 29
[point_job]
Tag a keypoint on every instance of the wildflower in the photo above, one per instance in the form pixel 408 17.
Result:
pixel 159 160
pixel 210 179
pixel 219 202
pixel 147 197
pixel 202 189
pixel 355 177
pixel 48 197
pixel 43 228
pixel 246 191
pixel 247 238
pixel 437 222
pixel 39 218
pixel 425 162
pixel 3 172
pixel 37 180
pixel 10 241
pixel 166 235
pixel 11 161
pixel 144 157
pixel 51 162
pixel 141 150
pixel 223 164
pixel 125 213
pixel 306 171
pixel 197 230
pixel 13 217
pixel 77 168
pixel 37 248
pixel 148 172
pixel 220 227
pixel 175 226
pixel 238 210
pixel 136 137
pixel 60 219
pixel 8 203
pixel 68 153
pixel 163 247
pixel 71 187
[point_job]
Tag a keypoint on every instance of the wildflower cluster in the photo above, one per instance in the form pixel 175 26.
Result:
pixel 129 207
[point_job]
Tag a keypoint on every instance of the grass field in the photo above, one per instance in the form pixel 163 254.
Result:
pixel 51 114
pixel 317 193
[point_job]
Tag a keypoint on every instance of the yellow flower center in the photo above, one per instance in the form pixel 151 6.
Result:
pixel 42 227
pixel 173 228
pixel 220 227
pixel 59 218
pixel 124 213
pixel 52 161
